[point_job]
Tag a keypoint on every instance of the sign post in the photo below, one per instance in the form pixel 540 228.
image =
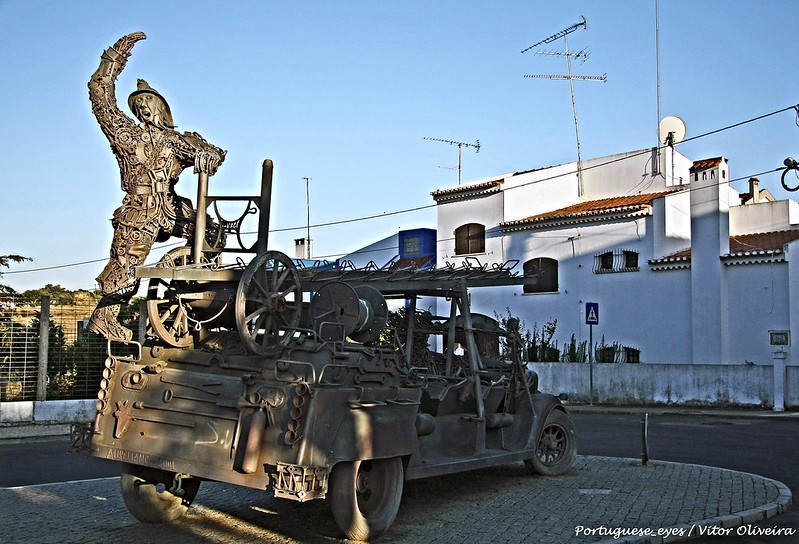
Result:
pixel 591 319
pixel 779 341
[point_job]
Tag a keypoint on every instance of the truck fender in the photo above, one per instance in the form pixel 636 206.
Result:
pixel 543 404
pixel 374 433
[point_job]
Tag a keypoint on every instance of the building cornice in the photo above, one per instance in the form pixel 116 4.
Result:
pixel 465 192
pixel 755 248
pixel 599 216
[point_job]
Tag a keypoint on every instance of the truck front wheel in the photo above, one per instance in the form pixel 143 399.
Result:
pixel 146 494
pixel 365 496
pixel 556 448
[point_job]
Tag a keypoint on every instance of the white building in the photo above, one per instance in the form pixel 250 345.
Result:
pixel 684 268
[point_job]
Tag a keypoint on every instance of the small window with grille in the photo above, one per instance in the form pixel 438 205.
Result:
pixel 617 260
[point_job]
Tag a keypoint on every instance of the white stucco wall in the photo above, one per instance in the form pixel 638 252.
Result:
pixel 634 172
pixel 759 302
pixel 764 217
pixel 485 210
pixel 710 312
pixel 672 224
pixel 701 385
pixel 646 310
pixel 47 412
pixel 539 191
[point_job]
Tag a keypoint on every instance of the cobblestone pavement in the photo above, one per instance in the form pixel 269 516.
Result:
pixel 497 505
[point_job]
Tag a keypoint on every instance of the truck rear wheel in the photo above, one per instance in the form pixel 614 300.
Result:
pixel 365 496
pixel 147 496
pixel 556 448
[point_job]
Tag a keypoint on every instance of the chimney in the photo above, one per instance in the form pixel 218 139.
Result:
pixel 710 239
pixel 754 190
pixel 302 248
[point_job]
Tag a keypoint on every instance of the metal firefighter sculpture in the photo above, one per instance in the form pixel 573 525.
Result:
pixel 151 155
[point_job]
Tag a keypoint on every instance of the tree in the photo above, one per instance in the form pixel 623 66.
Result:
pixel 396 331
pixel 5 262
pixel 57 294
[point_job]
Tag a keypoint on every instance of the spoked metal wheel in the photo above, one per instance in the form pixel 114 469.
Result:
pixel 166 316
pixel 556 449
pixel 146 492
pixel 365 496
pixel 268 303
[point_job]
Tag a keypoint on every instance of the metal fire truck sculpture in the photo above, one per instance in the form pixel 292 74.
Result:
pixel 274 376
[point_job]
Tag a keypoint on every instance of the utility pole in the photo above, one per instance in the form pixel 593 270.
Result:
pixel 308 217
pixel 582 55
pixel 460 145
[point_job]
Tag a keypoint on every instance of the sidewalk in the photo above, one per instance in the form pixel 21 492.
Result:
pixel 681 410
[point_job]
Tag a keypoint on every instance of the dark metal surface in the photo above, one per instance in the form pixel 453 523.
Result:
pixel 284 378
pixel 151 156
pixel 270 376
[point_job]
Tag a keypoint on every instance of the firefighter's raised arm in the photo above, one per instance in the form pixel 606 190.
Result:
pixel 102 82
pixel 113 59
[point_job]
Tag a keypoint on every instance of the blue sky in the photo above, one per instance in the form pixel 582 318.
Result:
pixel 345 93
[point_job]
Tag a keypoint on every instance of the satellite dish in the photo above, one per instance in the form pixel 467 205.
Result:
pixel 671 130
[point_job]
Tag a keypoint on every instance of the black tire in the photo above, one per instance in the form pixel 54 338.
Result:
pixel 556 448
pixel 365 496
pixel 147 496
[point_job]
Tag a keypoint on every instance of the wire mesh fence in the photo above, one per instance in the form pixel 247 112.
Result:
pixel 56 360
pixel 19 359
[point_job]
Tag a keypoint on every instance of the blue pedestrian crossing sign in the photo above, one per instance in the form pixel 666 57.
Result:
pixel 592 313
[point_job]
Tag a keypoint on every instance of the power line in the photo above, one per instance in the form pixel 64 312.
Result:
pixel 354 220
pixel 55 267
pixel 794 107
pixel 428 206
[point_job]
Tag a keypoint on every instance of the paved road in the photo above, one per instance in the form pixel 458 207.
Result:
pixel 496 505
pixel 765 445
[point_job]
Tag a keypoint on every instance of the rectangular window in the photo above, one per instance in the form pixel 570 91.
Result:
pixel 470 238
pixel 632 355
pixel 544 272
pixel 411 246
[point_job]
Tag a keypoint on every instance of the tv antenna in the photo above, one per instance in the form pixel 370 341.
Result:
pixel 460 145
pixel 580 55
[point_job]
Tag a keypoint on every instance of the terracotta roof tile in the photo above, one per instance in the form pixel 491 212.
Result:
pixel 618 204
pixel 745 244
pixel 706 163
pixel 413 263
pixel 467 188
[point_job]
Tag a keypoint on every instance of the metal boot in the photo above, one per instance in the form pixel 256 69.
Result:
pixel 104 322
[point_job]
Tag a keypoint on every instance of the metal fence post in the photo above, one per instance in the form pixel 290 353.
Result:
pixel 44 345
